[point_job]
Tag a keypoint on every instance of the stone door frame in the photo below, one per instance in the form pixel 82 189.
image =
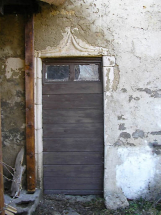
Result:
pixel 70 46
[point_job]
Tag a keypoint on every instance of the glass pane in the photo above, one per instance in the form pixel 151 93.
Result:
pixel 86 72
pixel 57 73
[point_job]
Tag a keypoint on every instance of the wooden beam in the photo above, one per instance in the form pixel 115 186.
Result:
pixel 29 87
pixel 1 172
pixel 1 7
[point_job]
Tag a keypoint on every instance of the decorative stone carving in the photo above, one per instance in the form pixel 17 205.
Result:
pixel 71 46
pixel 55 2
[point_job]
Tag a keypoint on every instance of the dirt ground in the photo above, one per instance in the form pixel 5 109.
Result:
pixel 71 205
pixel 89 205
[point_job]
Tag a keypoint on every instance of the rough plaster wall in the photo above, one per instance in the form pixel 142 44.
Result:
pixel 50 24
pixel 132 111
pixel 12 86
pixel 131 32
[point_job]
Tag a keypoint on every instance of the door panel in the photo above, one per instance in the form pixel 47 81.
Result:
pixel 72 101
pixel 72 116
pixel 73 144
pixel 72 88
pixel 73 126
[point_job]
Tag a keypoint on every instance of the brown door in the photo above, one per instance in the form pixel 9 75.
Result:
pixel 72 126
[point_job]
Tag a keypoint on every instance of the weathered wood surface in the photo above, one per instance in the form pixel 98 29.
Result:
pixel 73 158
pixel 90 130
pixel 29 88
pixel 73 144
pixel 72 101
pixel 10 210
pixel 17 177
pixel 76 171
pixel 72 116
pixel 72 88
pixel 72 183
pixel 1 171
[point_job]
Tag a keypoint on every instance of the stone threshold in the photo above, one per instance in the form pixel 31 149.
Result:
pixel 26 203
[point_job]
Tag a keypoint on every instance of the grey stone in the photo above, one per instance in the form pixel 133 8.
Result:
pixel 125 135
pixel 122 126
pixel 26 203
pixel 138 133
pixel 114 201
pixel 156 133
pixel 130 98
pixel 156 94
pixel 119 143
pixel 148 91
pixel 121 117
pixel 124 90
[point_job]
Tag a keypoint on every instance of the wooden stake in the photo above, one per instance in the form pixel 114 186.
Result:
pixel 1 172
pixel 29 87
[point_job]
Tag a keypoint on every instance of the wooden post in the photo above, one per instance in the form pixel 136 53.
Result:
pixel 29 87
pixel 1 172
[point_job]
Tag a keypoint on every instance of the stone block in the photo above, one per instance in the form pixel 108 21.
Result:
pixel 39 91
pixel 109 61
pixel 114 201
pixel 38 116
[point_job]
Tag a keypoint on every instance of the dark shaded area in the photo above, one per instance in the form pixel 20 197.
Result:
pixel 25 204
pixel 18 7
pixel 57 73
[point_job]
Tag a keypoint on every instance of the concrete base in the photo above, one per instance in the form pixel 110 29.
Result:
pixel 26 203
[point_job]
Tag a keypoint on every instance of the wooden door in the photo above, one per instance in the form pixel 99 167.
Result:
pixel 73 126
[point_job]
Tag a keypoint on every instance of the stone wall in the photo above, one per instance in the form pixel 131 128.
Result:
pixel 12 86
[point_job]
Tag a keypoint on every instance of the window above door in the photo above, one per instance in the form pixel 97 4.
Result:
pixel 75 69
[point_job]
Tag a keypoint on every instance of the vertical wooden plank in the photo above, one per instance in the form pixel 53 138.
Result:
pixel 1 172
pixel 29 88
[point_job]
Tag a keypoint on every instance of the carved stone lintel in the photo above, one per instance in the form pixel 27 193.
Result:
pixel 71 46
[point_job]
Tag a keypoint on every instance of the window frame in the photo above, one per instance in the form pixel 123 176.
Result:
pixel 71 62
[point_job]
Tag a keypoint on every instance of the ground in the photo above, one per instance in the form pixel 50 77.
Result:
pixel 91 205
